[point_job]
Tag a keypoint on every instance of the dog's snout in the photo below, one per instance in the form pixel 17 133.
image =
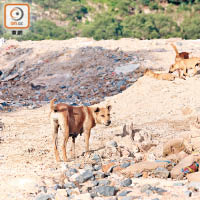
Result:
pixel 170 71
pixel 108 123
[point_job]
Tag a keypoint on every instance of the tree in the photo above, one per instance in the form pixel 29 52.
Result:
pixel 149 26
pixel 190 27
pixel 103 27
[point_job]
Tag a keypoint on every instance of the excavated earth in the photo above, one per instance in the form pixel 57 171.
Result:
pixel 146 113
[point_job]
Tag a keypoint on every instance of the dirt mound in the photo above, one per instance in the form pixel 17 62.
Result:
pixel 86 77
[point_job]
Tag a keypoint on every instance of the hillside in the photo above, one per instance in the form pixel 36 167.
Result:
pixel 159 111
pixel 102 19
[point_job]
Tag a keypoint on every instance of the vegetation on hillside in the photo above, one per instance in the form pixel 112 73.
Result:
pixel 113 19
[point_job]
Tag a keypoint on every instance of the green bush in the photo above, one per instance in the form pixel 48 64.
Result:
pixel 145 2
pixel 150 26
pixel 180 1
pixel 153 6
pixel 190 28
pixel 103 27
pixel 45 29
pixel 74 10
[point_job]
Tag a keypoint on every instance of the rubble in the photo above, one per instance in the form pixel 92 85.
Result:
pixel 86 78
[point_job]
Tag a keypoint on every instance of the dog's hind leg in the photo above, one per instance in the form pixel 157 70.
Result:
pixel 73 154
pixel 66 137
pixel 55 139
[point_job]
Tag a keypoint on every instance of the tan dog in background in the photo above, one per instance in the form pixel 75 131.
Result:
pixel 181 55
pixel 184 65
pixel 162 76
pixel 73 121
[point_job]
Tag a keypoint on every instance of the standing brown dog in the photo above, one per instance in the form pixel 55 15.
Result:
pixel 73 121
pixel 184 65
pixel 181 55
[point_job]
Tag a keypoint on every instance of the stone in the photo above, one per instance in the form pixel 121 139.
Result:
pixel 75 191
pixel 61 194
pixel 178 184
pixel 57 186
pixel 44 197
pixel 143 166
pixel 148 189
pixel 96 158
pixel 85 196
pixel 71 171
pixel 161 172
pixel 99 175
pixel 95 183
pixel 145 187
pixel 127 198
pixel 108 167
pixel 187 161
pixel 126 182
pixel 138 175
pixel 138 156
pixel 174 146
pixel 88 174
pixel 194 177
pixel 69 185
pixel 125 164
pixel 123 193
pixel 124 69
pixel 195 185
pixel 97 167
pixel 104 182
pixel 188 193
pixel 106 190
pixel 177 157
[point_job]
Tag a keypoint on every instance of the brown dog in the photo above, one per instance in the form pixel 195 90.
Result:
pixel 181 55
pixel 163 76
pixel 74 121
pixel 184 65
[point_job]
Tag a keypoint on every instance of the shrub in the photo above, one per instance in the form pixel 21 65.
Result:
pixel 45 29
pixel 74 10
pixel 149 26
pixel 190 27
pixel 103 27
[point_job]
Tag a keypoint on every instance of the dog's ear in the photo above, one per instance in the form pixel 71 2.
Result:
pixel 96 110
pixel 109 107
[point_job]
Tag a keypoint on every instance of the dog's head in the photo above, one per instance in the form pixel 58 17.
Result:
pixel 102 115
pixel 172 68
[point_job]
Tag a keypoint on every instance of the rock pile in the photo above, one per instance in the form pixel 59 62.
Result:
pixel 86 77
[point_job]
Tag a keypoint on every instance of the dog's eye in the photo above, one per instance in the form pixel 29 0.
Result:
pixel 108 115
pixel 102 115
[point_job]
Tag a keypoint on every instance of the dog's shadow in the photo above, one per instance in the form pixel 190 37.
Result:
pixel 128 130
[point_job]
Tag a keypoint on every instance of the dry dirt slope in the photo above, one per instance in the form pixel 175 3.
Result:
pixel 26 154
pixel 161 108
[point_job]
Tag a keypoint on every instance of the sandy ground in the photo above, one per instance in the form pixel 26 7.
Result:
pixel 162 108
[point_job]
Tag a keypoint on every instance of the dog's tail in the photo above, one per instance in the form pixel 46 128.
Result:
pixel 52 107
pixel 175 49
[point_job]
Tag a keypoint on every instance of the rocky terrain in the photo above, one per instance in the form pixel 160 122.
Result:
pixel 128 159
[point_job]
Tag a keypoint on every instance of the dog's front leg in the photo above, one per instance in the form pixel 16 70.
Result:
pixel 87 137
pixel 185 71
